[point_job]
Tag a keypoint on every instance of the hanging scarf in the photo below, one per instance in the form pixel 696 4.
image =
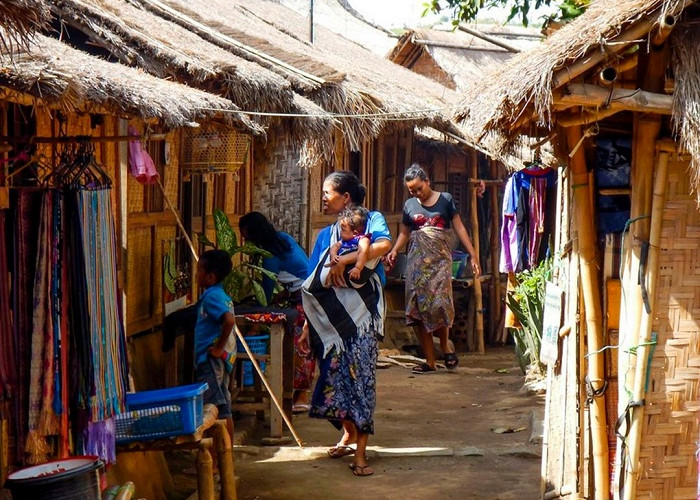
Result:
pixel 36 446
pixel 26 204
pixel 106 332
pixel 336 314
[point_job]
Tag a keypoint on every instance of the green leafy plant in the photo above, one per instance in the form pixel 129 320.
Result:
pixel 467 10
pixel 526 302
pixel 245 279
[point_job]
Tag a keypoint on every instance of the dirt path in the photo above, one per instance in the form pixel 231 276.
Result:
pixel 434 439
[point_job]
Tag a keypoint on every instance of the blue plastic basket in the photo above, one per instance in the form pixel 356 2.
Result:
pixel 161 413
pixel 258 345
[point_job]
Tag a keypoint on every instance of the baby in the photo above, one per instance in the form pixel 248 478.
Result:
pixel 353 222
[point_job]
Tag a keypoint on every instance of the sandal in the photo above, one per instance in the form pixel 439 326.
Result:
pixel 361 470
pixel 423 369
pixel 340 451
pixel 451 361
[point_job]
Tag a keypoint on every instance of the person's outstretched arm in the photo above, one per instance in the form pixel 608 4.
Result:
pixel 467 243
pixel 401 241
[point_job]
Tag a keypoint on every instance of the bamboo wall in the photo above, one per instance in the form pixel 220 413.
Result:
pixel 668 460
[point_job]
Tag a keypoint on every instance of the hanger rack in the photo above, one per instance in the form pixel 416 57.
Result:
pixel 79 138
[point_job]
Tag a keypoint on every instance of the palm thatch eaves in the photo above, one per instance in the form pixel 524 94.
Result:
pixel 61 76
pixel 370 93
pixel 160 47
pixel 19 19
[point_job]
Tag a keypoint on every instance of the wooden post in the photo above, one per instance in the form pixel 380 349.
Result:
pixel 474 216
pixel 224 453
pixel 590 285
pixel 496 307
pixel 205 467
pixel 635 431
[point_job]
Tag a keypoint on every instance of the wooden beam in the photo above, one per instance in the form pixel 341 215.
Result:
pixel 491 39
pixel 452 45
pixel 585 117
pixel 585 94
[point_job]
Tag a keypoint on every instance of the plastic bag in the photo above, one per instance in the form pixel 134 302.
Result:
pixel 141 164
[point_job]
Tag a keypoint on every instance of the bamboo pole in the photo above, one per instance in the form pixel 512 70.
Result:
pixel 638 393
pixel 590 285
pixel 586 94
pixel 646 131
pixel 496 302
pixel 271 393
pixel 474 216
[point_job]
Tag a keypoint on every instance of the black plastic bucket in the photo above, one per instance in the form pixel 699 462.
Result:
pixel 75 478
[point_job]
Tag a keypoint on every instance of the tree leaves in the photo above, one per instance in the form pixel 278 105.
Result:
pixel 467 10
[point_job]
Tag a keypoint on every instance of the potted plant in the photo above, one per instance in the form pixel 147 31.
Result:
pixel 245 280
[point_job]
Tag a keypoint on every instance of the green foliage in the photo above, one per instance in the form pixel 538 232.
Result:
pixel 466 10
pixel 526 302
pixel 245 279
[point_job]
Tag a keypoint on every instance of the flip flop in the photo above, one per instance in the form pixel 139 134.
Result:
pixel 361 470
pixel 451 361
pixel 422 369
pixel 300 408
pixel 340 451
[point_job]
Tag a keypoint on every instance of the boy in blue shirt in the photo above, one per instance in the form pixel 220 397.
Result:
pixel 215 323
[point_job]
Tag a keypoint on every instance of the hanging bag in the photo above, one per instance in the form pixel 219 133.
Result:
pixel 141 164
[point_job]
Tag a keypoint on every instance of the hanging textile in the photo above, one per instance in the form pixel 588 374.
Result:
pixel 96 225
pixel 527 219
pixel 26 210
pixel 36 447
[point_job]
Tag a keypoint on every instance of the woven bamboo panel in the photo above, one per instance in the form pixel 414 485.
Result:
pixel 670 430
pixel 140 269
pixel 172 169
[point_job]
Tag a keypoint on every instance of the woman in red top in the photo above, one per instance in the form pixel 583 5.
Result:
pixel 428 218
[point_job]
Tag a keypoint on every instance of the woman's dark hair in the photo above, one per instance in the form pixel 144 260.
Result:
pixel 217 262
pixel 344 181
pixel 415 171
pixel 261 232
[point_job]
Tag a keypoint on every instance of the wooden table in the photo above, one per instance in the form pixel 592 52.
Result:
pixel 219 440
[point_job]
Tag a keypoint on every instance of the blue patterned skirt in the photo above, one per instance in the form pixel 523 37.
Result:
pixel 346 388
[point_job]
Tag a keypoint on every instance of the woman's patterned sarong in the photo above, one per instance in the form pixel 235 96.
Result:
pixel 429 278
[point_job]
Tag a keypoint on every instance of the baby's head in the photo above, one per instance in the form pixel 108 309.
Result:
pixel 353 221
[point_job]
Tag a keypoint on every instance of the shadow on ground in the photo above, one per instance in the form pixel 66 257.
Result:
pixel 471 434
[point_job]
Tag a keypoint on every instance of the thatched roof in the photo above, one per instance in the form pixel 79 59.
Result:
pixel 521 94
pixel 165 49
pixel 60 75
pixel 19 19
pixel 463 58
pixel 335 73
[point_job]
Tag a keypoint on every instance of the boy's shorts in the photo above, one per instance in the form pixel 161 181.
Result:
pixel 213 372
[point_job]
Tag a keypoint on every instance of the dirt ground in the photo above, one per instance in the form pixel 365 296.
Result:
pixel 471 434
